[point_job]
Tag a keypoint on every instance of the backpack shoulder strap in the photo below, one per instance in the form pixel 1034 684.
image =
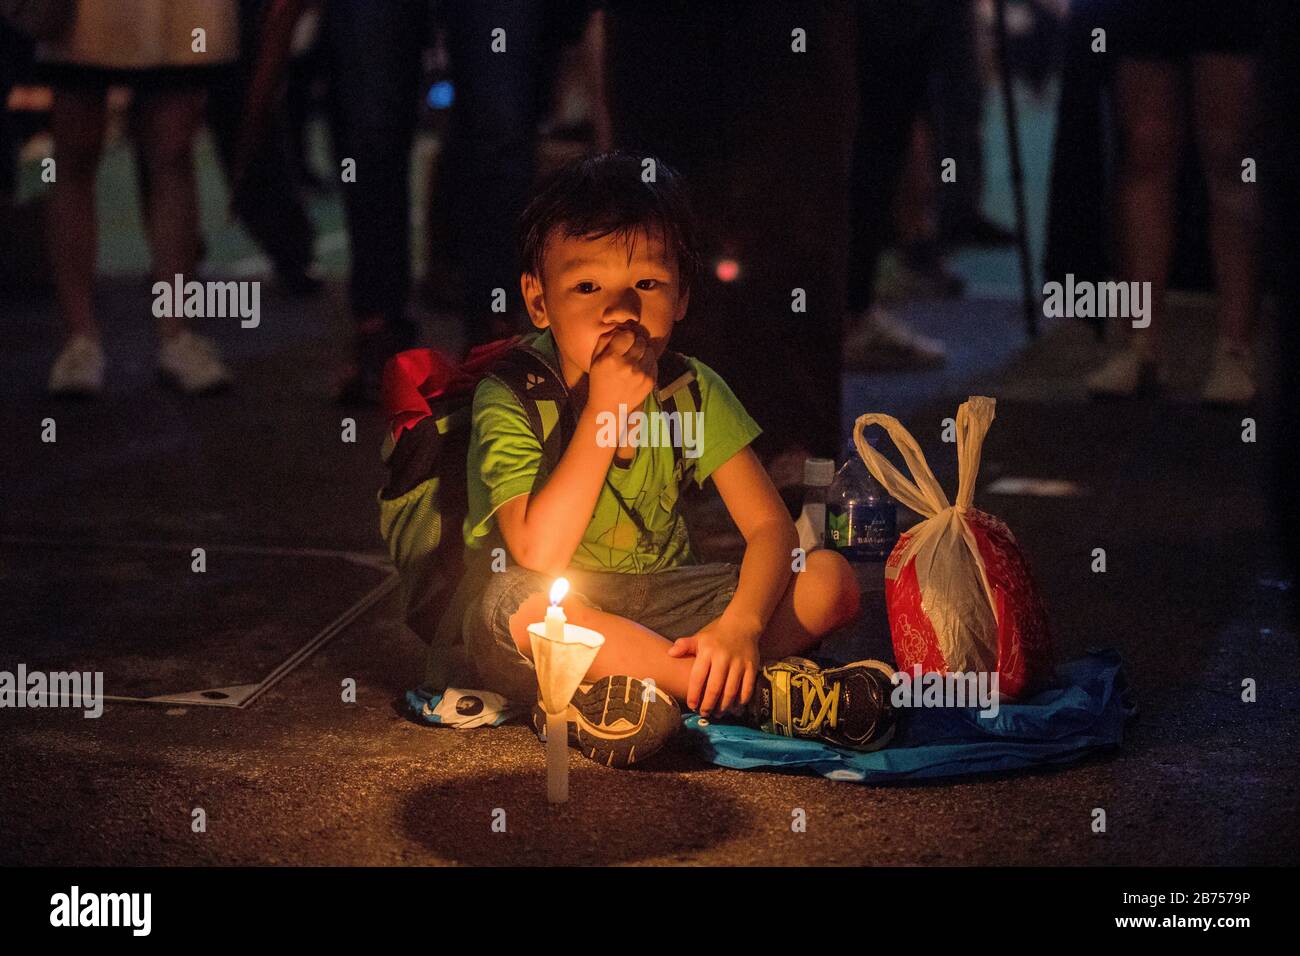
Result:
pixel 674 374
pixel 539 388
pixel 679 391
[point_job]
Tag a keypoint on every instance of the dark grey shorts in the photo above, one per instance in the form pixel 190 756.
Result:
pixel 674 603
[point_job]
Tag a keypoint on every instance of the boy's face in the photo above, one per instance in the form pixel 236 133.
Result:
pixel 589 285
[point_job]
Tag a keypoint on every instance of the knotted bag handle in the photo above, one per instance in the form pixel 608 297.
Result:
pixel 922 493
pixel 974 418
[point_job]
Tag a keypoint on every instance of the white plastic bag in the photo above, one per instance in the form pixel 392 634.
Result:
pixel 959 593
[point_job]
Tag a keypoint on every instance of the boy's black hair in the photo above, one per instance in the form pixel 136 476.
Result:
pixel 604 195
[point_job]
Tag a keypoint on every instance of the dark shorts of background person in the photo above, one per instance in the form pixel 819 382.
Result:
pixel 674 603
pixel 1175 29
pixel 77 76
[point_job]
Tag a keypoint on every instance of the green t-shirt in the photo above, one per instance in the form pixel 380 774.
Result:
pixel 505 461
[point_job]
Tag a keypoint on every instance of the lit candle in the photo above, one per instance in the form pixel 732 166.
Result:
pixel 555 614
pixel 562 652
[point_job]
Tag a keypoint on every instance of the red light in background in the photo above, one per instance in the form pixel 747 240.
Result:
pixel 727 270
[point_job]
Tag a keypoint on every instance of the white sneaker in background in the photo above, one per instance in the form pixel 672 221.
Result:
pixel 79 368
pixel 1124 374
pixel 876 340
pixel 192 363
pixel 1232 380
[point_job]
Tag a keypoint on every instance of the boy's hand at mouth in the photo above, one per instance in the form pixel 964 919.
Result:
pixel 624 368
pixel 726 666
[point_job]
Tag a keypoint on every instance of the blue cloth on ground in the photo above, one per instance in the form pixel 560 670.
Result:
pixel 1086 712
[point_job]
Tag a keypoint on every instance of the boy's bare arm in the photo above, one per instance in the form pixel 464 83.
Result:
pixel 544 530
pixel 726 650
pixel 770 537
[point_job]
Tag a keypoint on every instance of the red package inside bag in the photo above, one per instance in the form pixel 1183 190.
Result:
pixel 958 590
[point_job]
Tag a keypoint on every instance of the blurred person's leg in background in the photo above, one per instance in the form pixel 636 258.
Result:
pixel 374 57
pixel 23 266
pixel 15 52
pixel 1080 204
pixel 763 136
pixel 574 107
pixel 491 148
pixel 957 95
pixel 892 77
pixel 1224 100
pixel 920 270
pixel 304 96
pixel 1223 103
pixel 164 122
pixel 593 51
pixel 270 203
pixel 1150 96
pixel 1152 117
pixel 78 125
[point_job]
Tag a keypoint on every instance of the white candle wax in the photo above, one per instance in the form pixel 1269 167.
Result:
pixel 555 623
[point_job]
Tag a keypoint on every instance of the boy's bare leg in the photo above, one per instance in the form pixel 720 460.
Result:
pixel 819 599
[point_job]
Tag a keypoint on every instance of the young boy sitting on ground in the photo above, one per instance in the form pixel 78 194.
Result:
pixel 608 263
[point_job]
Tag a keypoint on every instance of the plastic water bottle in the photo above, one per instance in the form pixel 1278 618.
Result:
pixel 818 473
pixel 861 517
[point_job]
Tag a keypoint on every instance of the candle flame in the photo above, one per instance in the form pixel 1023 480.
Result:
pixel 559 589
